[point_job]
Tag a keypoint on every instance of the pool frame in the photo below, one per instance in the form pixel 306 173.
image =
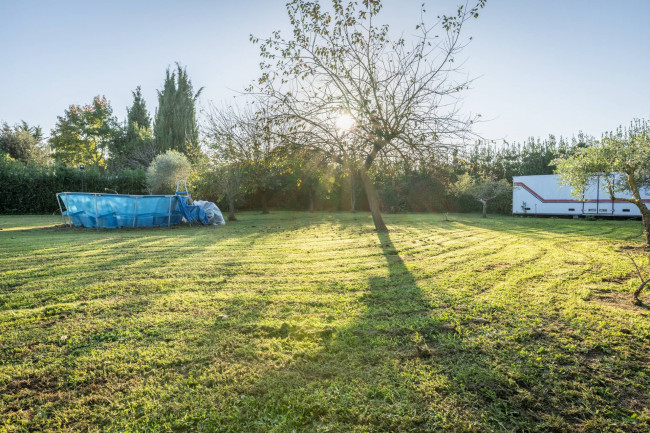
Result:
pixel 62 200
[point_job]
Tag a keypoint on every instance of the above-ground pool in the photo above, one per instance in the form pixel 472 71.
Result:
pixel 96 210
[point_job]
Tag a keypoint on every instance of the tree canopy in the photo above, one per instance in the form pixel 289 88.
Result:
pixel 483 190
pixel 175 125
pixel 24 143
pixel 621 160
pixel 135 147
pixel 165 170
pixel 83 134
pixel 248 138
pixel 398 98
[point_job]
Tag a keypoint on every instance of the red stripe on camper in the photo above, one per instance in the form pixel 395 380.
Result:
pixel 548 200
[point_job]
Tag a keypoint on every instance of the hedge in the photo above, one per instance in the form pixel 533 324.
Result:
pixel 31 189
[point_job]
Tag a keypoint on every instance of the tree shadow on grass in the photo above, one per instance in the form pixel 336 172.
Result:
pixel 411 361
pixel 404 360
pixel 358 377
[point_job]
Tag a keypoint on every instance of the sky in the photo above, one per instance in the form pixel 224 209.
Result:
pixel 539 67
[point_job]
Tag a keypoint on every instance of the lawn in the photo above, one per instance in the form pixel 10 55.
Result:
pixel 313 322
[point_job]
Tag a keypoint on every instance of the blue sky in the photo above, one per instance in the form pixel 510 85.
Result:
pixel 542 67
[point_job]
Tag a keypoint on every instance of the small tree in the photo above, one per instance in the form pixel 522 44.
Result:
pixel 644 281
pixel 219 180
pixel 483 190
pixel 621 159
pixel 165 170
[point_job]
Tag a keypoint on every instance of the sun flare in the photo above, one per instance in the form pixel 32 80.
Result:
pixel 344 122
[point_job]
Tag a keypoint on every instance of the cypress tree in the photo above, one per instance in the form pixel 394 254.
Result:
pixel 175 125
pixel 137 115
pixel 134 147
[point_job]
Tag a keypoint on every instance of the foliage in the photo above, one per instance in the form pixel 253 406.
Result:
pixel 24 143
pixel 137 115
pixel 622 161
pixel 483 190
pixel 398 97
pixel 30 188
pixel 220 181
pixel 311 322
pixel 83 134
pixel 175 126
pixel 135 146
pixel 166 170
pixel 314 175
pixel 503 161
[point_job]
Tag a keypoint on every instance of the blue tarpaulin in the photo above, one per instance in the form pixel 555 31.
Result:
pixel 94 210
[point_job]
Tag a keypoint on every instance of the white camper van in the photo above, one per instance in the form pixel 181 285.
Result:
pixel 543 195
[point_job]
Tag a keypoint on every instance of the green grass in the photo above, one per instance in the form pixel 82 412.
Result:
pixel 313 322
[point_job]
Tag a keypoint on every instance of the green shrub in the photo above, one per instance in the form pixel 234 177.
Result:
pixel 165 170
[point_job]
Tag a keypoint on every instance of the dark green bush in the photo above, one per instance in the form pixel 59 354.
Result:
pixel 29 188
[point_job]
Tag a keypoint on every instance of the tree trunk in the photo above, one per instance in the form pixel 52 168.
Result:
pixel 645 212
pixel 265 208
pixel 231 209
pixel 484 208
pixel 645 217
pixel 311 201
pixel 353 191
pixel 373 201
pixel 637 292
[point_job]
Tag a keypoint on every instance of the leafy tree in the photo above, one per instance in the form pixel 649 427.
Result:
pixel 534 156
pixel 351 88
pixel 621 159
pixel 24 143
pixel 175 125
pixel 165 170
pixel 483 190
pixel 83 134
pixel 313 175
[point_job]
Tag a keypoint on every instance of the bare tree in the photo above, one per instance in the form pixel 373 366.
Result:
pixel 144 154
pixel 228 180
pixel 247 137
pixel 352 89
pixel 644 281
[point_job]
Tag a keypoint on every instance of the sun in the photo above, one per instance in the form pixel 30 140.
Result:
pixel 344 122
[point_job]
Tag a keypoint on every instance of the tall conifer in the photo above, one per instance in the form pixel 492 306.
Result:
pixel 175 125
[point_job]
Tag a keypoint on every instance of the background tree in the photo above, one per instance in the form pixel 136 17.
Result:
pixel 165 170
pixel 246 138
pixel 175 125
pixel 622 159
pixel 222 181
pixel 135 146
pixel 483 190
pixel 313 174
pixel 83 134
pixel 24 143
pixel 343 72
